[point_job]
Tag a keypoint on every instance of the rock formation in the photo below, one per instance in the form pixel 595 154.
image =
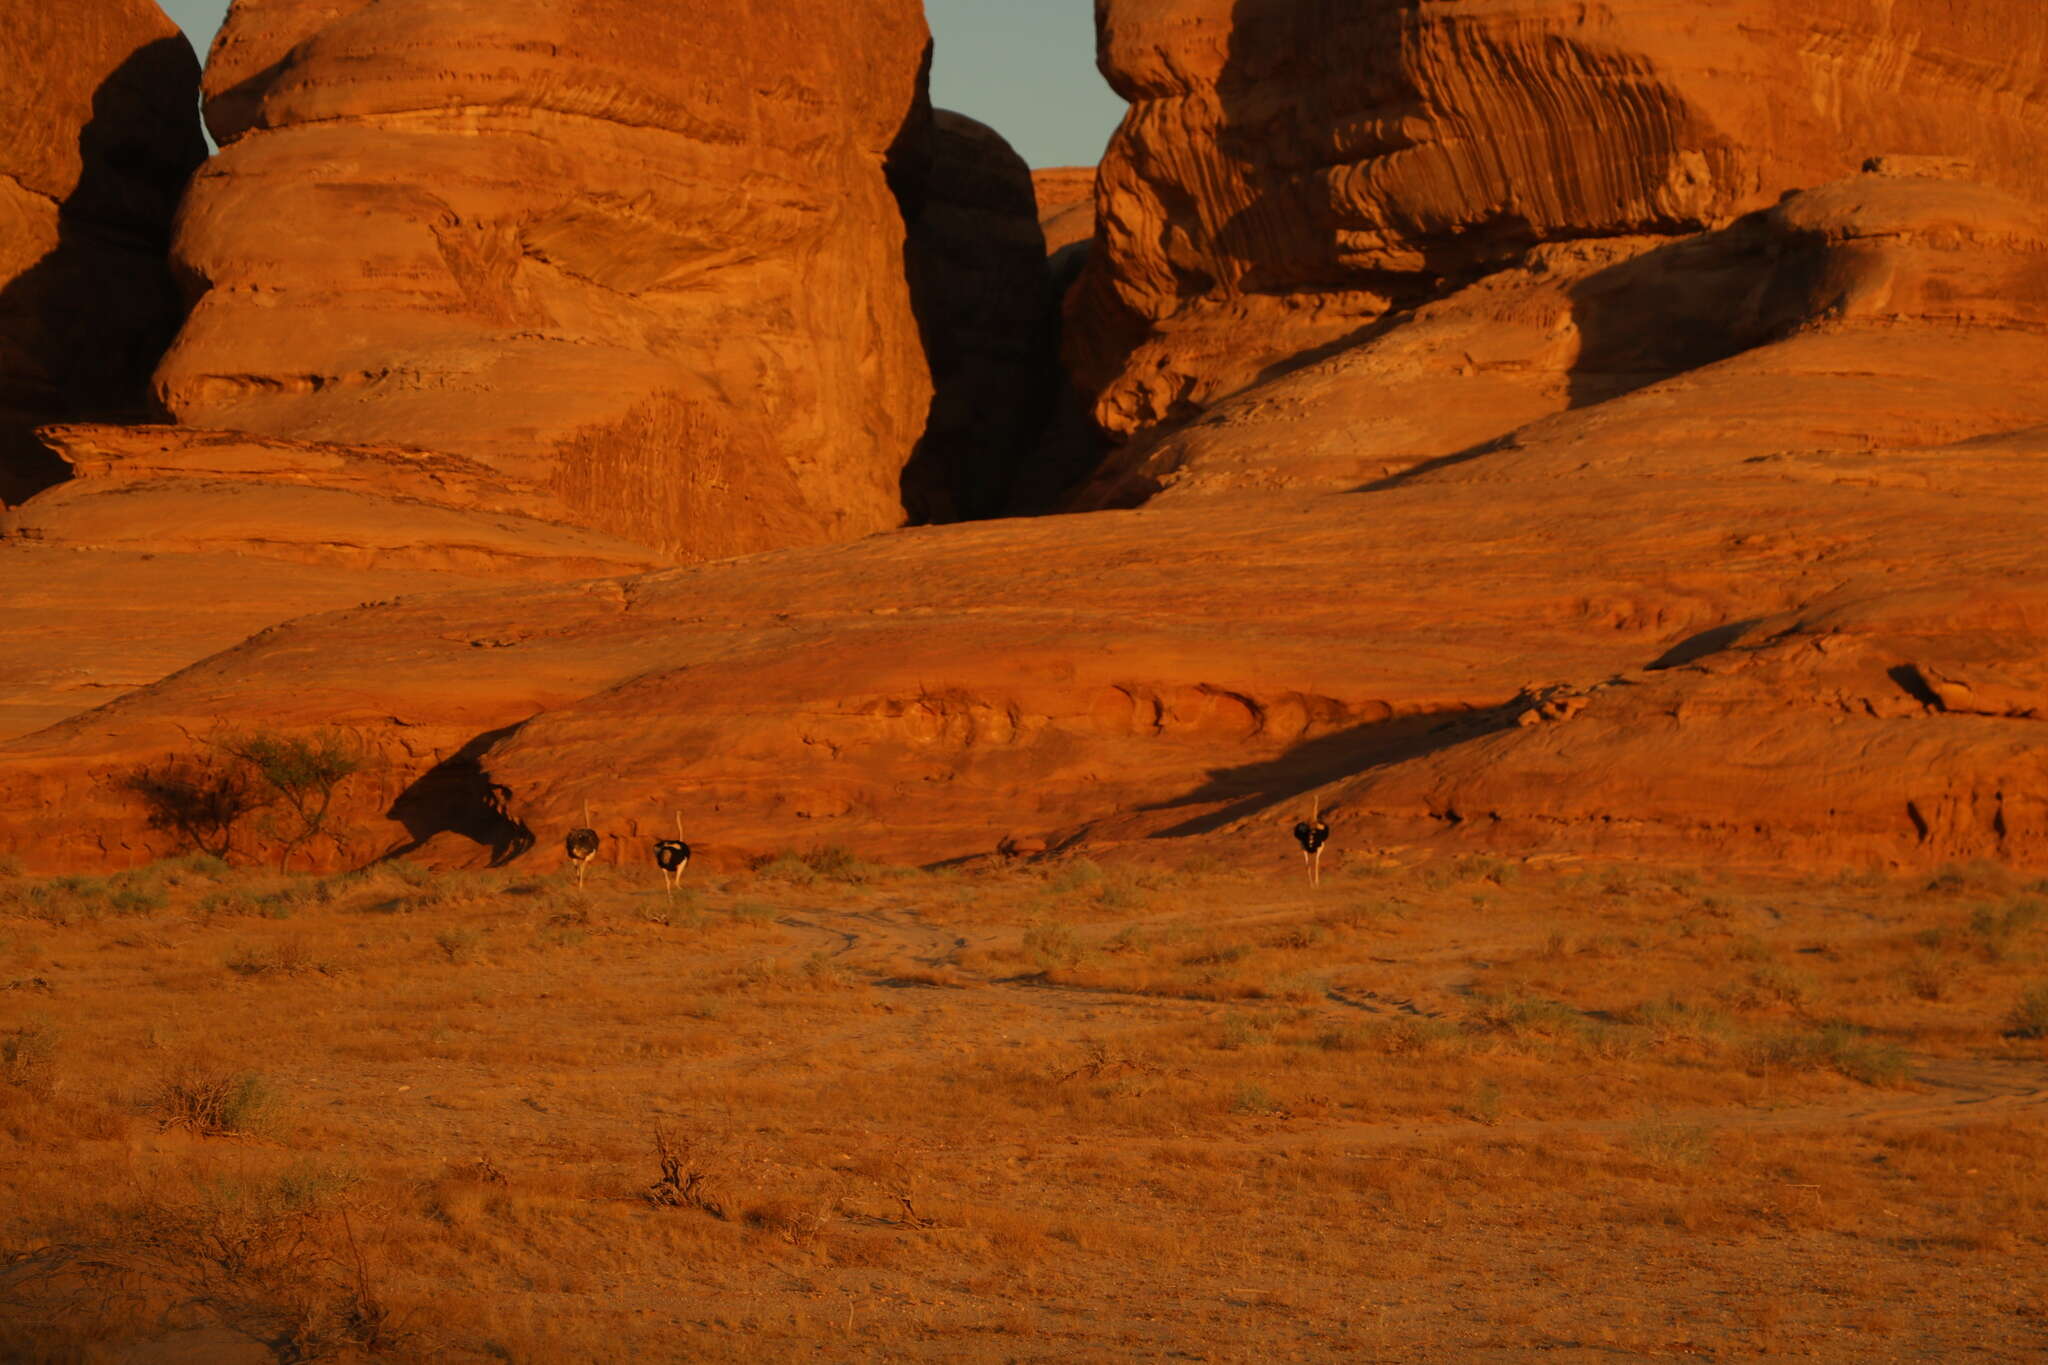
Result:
pixel 1674 665
pixel 1546 436
pixel 1066 204
pixel 1290 185
pixel 645 259
pixel 102 135
pixel 977 267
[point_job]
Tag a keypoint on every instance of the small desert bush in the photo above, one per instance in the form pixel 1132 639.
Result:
pixel 1078 874
pixel 1979 877
pixel 1767 986
pixel 28 1057
pixel 1832 1047
pixel 1238 1031
pixel 1668 1142
pixel 2029 1018
pixel 788 868
pixel 273 1259
pixel 1412 1035
pixel 1998 929
pixel 460 946
pixel 1050 946
pixel 1521 1016
pixel 63 901
pixel 1672 1020
pixel 213 1102
pixel 835 862
pixel 286 957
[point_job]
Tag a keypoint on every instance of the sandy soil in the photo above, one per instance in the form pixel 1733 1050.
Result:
pixel 1459 1111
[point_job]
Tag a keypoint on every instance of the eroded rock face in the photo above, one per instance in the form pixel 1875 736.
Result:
pixel 1730 662
pixel 1879 311
pixel 1890 716
pixel 984 300
pixel 1291 173
pixel 642 257
pixel 102 135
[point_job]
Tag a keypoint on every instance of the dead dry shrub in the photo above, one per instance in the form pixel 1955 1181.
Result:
pixel 1978 877
pixel 274 1259
pixel 1837 1047
pixel 1413 1035
pixel 688 1180
pixel 1928 978
pixel 285 957
pixel 460 946
pixel 1671 1142
pixel 2029 1018
pixel 28 1057
pixel 1099 1063
pixel 1052 946
pixel 212 1102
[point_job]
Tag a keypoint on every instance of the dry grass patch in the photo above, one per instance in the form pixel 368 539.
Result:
pixel 533 1124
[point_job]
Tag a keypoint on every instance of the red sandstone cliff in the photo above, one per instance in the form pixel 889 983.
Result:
pixel 101 136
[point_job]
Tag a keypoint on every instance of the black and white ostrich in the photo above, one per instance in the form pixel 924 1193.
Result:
pixel 672 856
pixel 1312 834
pixel 582 845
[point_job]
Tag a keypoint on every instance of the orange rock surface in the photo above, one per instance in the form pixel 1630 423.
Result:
pixel 644 258
pixel 101 136
pixel 1601 462
pixel 1288 186
pixel 1066 205
pixel 1725 642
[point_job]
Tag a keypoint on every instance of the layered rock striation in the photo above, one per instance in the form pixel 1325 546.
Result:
pixel 643 258
pixel 1292 184
pixel 103 133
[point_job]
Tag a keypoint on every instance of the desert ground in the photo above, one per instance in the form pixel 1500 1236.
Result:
pixel 1591 454
pixel 1434 1109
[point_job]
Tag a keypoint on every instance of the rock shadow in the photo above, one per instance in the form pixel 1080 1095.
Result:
pixel 1711 641
pixel 1696 300
pixel 1252 787
pixel 83 328
pixel 1675 308
pixel 456 796
pixel 984 296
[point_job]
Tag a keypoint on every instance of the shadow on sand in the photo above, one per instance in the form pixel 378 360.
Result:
pixel 1252 787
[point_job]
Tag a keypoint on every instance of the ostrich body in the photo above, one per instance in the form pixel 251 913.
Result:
pixel 1312 834
pixel 582 845
pixel 672 856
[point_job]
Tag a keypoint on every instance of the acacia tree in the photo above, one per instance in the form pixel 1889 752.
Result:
pixel 299 773
pixel 201 799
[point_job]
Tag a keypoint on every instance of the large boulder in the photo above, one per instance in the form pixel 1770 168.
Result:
pixel 642 257
pixel 1292 182
pixel 102 134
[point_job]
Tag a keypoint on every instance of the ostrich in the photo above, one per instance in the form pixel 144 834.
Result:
pixel 672 856
pixel 1312 834
pixel 582 845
